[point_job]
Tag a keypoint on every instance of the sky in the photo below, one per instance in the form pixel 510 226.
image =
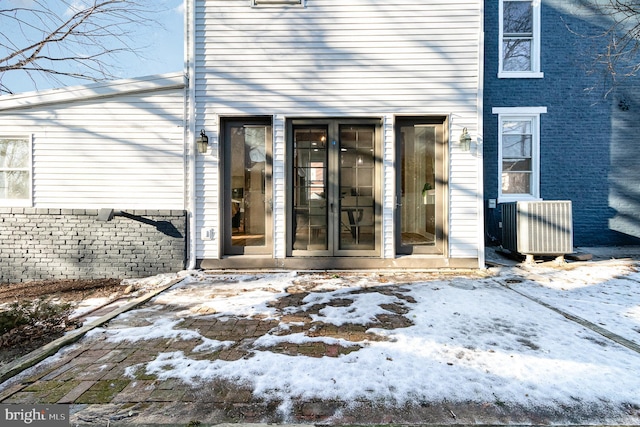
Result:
pixel 471 339
pixel 161 51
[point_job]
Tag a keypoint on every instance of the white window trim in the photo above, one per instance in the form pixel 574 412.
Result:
pixel 535 73
pixel 28 202
pixel 278 3
pixel 525 113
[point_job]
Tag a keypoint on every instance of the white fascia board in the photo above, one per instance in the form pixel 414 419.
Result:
pixel 93 91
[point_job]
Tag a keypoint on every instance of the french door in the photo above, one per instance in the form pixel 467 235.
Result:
pixel 246 192
pixel 334 187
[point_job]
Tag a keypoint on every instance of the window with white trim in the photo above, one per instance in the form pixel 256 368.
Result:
pixel 519 153
pixel 15 171
pixel 519 39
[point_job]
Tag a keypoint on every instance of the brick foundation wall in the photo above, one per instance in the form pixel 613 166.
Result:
pixel 72 244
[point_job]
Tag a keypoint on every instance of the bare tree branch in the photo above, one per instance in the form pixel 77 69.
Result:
pixel 80 39
pixel 620 57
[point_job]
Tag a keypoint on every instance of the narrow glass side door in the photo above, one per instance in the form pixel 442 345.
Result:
pixel 247 192
pixel 421 187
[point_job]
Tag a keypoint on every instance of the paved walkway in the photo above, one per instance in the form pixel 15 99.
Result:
pixel 103 376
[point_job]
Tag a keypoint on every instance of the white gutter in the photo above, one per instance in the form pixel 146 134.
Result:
pixel 190 70
pixel 92 91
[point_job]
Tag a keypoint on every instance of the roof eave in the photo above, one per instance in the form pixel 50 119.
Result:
pixel 92 91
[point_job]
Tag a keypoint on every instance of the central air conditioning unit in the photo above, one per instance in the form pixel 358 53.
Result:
pixel 538 227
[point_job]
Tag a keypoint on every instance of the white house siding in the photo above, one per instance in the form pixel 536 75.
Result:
pixel 368 58
pixel 279 193
pixel 123 151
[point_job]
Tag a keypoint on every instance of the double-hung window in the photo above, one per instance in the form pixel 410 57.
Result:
pixel 15 171
pixel 519 153
pixel 519 39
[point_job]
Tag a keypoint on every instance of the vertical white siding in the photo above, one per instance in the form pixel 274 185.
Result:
pixel 369 58
pixel 208 190
pixel 125 151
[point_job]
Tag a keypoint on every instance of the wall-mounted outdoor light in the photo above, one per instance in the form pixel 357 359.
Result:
pixel 107 214
pixel 202 142
pixel 465 140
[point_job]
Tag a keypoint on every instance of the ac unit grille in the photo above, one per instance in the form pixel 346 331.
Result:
pixel 538 228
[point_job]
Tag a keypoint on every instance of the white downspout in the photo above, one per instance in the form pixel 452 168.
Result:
pixel 480 144
pixel 191 177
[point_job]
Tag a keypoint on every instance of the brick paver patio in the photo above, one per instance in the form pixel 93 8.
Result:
pixel 99 371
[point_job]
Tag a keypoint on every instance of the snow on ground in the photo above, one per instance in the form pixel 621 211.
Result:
pixel 608 296
pixel 87 305
pixel 472 339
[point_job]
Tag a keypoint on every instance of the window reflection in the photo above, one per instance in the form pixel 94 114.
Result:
pixel 418 185
pixel 517 27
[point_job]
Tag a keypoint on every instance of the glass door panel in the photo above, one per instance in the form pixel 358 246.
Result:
pixel 310 189
pixel 247 188
pixel 420 187
pixel 357 185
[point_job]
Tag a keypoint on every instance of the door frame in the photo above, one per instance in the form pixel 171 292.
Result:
pixel 333 124
pixel 442 184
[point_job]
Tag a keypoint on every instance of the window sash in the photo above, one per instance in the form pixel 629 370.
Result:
pixel 522 22
pixel 14 185
pixel 518 162
pixel 14 153
pixel 15 170
pixel 516 183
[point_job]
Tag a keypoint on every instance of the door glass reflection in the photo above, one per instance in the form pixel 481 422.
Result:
pixel 357 202
pixel 310 189
pixel 418 187
pixel 248 181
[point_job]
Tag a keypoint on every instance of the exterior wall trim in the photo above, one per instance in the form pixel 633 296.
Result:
pixel 519 110
pixel 418 263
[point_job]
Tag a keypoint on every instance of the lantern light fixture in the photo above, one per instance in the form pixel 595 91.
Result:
pixel 202 142
pixel 465 140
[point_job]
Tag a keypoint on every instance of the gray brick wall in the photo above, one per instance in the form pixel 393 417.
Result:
pixel 72 244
